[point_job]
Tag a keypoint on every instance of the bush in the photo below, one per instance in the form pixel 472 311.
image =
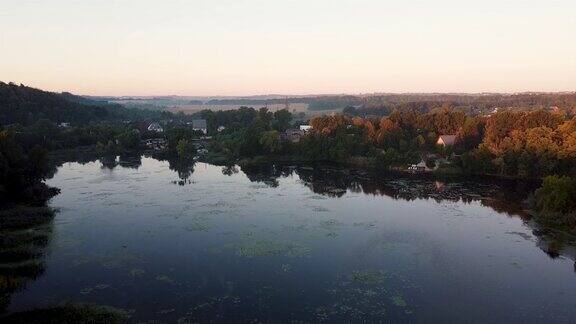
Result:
pixel 556 200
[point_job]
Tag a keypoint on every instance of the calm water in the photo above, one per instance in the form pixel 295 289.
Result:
pixel 214 244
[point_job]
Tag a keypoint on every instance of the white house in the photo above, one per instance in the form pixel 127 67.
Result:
pixel 420 167
pixel 155 127
pixel 305 128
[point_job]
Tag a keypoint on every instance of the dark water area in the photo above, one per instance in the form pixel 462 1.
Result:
pixel 172 242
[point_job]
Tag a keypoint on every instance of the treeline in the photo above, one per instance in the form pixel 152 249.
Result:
pixel 23 105
pixel 525 144
pixel 472 104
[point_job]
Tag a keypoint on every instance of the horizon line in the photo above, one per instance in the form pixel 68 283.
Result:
pixel 292 95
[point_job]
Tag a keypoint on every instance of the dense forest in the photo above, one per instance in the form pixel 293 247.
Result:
pixel 23 105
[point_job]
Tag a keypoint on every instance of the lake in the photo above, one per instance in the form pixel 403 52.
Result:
pixel 206 243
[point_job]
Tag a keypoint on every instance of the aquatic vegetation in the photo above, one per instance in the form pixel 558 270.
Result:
pixel 286 268
pixel 86 291
pixel 399 301
pixel 246 264
pixel 366 225
pixel 137 272
pixel 199 227
pixel 165 279
pixel 112 260
pixel 296 228
pixel 330 225
pixel 368 277
pixel 166 311
pixel 319 209
pixel 364 296
pixel 70 314
pixel 259 248
pixel 297 250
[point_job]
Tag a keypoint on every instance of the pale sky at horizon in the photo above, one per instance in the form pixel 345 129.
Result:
pixel 248 47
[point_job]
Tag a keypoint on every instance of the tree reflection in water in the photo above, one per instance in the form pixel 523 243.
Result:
pixel 184 168
pixel 504 196
pixel 22 258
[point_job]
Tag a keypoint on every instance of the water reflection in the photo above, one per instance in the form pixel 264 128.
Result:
pixel 22 258
pixel 291 243
pixel 504 196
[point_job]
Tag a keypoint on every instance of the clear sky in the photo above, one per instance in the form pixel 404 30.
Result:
pixel 243 47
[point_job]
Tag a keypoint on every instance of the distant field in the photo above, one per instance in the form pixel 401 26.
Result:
pixel 294 108
pixel 179 105
pixel 190 109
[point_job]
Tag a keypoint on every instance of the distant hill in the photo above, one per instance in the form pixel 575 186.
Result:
pixel 26 105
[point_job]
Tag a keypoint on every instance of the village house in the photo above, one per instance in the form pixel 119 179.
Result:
pixel 420 167
pixel 156 144
pixel 446 140
pixel 292 135
pixel 200 125
pixel 305 128
pixel 155 127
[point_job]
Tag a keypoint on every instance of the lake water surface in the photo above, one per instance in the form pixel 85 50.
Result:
pixel 217 244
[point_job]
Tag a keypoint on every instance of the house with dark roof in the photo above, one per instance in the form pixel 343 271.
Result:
pixel 200 125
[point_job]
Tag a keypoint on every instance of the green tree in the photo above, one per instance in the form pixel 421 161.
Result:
pixel 557 197
pixel 282 120
pixel 270 142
